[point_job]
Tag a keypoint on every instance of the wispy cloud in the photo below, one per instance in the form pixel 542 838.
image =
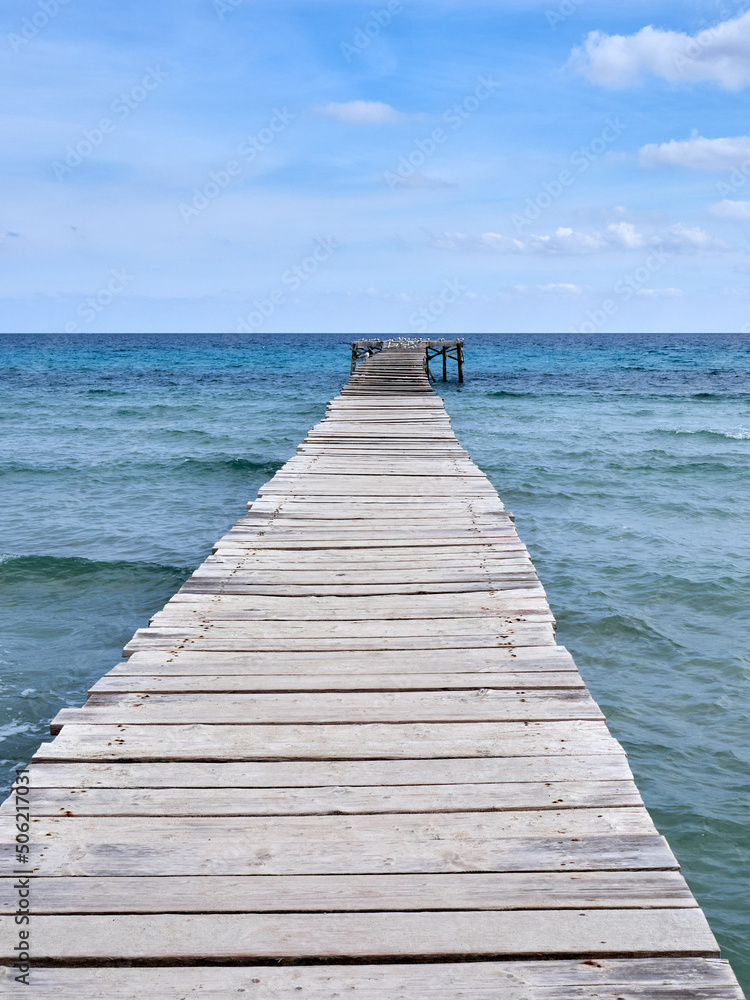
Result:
pixel 720 54
pixel 565 241
pixel 557 288
pixel 728 209
pixel 364 113
pixel 697 153
pixel 659 293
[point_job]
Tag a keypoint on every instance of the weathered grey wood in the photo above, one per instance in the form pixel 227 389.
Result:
pixel 329 893
pixel 366 935
pixel 378 486
pixel 187 661
pixel 603 979
pixel 485 704
pixel 222 637
pixel 306 774
pixel 315 742
pixel 390 569
pixel 165 683
pixel 339 799
pixel 534 609
pixel 398 545
pixel 342 506
pixel 346 589
pixel 250 558
pixel 529 840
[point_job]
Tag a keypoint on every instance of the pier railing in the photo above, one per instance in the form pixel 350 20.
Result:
pixel 446 349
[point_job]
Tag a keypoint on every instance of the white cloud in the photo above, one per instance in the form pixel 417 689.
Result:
pixel 569 242
pixel 624 233
pixel 659 293
pixel 487 241
pixel 698 153
pixel 720 54
pixel 728 209
pixel 364 113
pixel 617 236
pixel 559 288
pixel 682 239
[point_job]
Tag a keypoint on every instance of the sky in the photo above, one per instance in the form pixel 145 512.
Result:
pixel 395 166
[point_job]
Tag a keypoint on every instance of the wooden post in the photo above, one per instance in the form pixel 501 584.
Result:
pixel 460 360
pixel 354 358
pixel 445 364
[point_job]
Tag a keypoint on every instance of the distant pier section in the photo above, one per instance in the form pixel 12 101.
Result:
pixel 444 349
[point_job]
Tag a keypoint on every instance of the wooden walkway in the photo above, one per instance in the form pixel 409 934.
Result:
pixel 348 759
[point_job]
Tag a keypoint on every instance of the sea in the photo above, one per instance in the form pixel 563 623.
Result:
pixel 625 458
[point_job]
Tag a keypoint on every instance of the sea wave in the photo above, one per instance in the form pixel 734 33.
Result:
pixel 739 435
pixel 15 568
pixel 213 465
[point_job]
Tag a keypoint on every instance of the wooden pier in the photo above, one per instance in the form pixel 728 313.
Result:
pixel 444 349
pixel 348 759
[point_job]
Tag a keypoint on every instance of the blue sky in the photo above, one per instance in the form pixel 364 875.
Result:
pixel 441 167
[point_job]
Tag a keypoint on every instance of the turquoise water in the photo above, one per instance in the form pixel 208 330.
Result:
pixel 625 459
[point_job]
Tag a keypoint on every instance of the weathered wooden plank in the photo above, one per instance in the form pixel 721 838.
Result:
pixel 485 704
pixel 345 505
pixel 604 979
pixel 327 742
pixel 528 840
pixel 357 511
pixel 344 589
pixel 450 529
pixel 246 683
pixel 334 800
pixel 228 637
pixel 301 773
pixel 378 486
pixel 239 622
pixel 384 543
pixel 188 661
pixel 485 604
pixel 321 555
pixel 681 931
pixel 417 571
pixel 330 893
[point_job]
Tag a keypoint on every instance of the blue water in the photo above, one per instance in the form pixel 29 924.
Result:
pixel 625 459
